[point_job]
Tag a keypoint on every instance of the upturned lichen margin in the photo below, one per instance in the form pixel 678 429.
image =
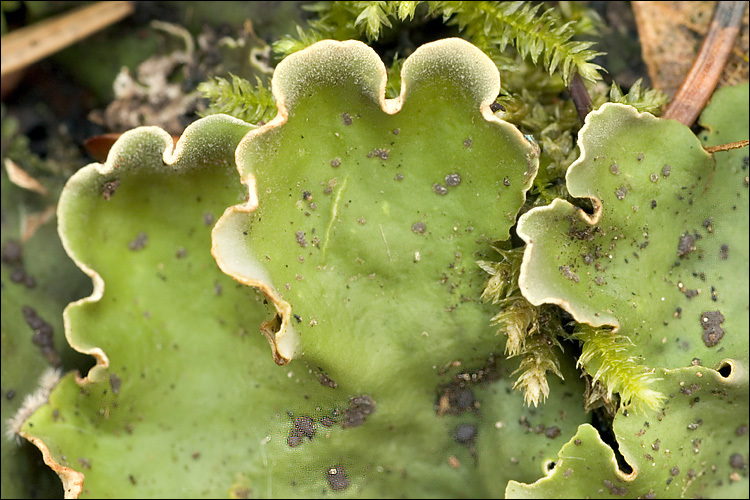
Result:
pixel 338 63
pixel 155 147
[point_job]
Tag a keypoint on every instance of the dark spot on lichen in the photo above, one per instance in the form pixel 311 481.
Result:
pixel 653 177
pixel 614 168
pixel 43 335
pixel 690 293
pixel 109 188
pixel 724 252
pixel 496 106
pixel 336 162
pixel 12 253
pixel 305 426
pixel 467 142
pixel 568 274
pixel 346 118
pixel 139 242
pixel 666 170
pixel 419 227
pixel 712 331
pixel 465 433
pixel 656 445
pixel 653 203
pixel 640 156
pixel 396 131
pixel 359 408
pixel 552 432
pixel 326 381
pixel 615 490
pixel 293 440
pixel 688 390
pixel 337 478
pixel 115 382
pixel 399 177
pixel 383 154
pixel 439 189
pixel 453 179
pixel 577 442
pixel 741 430
pixel 208 219
pixel 674 470
pixel 306 195
pixel 620 192
pixel 506 182
pixel 586 232
pixel 686 245
pixel 455 399
pixel 737 461
pixel 300 237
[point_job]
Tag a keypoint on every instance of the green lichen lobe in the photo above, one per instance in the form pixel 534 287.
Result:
pixel 356 200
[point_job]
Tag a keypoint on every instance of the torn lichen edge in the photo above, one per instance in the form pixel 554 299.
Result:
pixel 329 60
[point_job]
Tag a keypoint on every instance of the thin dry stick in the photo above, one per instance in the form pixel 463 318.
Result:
pixel 28 45
pixel 728 147
pixel 700 82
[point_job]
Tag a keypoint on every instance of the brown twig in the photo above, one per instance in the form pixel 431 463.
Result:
pixel 727 147
pixel 28 45
pixel 700 82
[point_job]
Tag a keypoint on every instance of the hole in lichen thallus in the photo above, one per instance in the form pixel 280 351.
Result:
pixel 725 370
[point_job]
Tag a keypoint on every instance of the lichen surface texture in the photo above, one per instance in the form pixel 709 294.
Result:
pixel 295 309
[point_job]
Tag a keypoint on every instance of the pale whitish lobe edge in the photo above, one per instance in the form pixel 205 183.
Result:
pixel 84 180
pixel 738 378
pixel 538 294
pixel 549 475
pixel 228 248
pixel 72 480
pixel 534 291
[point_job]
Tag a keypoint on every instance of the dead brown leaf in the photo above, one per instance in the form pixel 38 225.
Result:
pixel 671 34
